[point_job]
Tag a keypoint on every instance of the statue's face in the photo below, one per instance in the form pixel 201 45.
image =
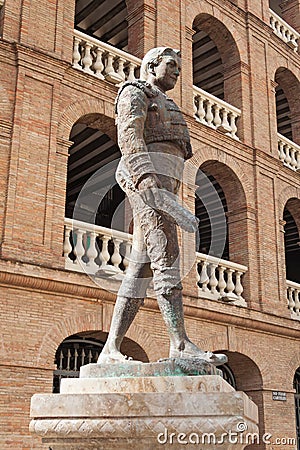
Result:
pixel 167 72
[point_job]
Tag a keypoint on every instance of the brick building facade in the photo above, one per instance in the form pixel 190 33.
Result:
pixel 61 64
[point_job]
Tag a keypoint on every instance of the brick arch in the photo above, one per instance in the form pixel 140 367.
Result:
pixel 196 7
pixel 79 323
pixel 292 366
pixel 202 155
pixel 76 110
pixel 287 194
pixel 68 326
pixel 290 85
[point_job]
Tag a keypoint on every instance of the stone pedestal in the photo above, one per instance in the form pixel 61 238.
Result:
pixel 158 407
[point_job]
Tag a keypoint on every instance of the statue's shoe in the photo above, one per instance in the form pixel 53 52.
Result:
pixel 190 350
pixel 115 358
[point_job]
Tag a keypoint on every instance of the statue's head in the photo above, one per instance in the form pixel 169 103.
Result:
pixel 161 66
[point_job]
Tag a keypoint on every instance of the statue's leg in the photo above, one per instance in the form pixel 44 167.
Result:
pixel 125 311
pixel 130 297
pixel 171 308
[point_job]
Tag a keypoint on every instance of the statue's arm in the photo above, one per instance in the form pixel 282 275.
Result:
pixel 132 113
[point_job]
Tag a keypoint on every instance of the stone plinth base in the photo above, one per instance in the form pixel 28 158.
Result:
pixel 143 412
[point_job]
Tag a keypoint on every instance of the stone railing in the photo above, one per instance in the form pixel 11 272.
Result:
pixel 289 152
pixel 220 280
pixel 293 298
pixel 215 113
pixel 89 248
pixel 284 31
pixel 102 60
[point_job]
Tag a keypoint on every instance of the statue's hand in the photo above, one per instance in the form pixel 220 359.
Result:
pixel 149 181
pixel 149 189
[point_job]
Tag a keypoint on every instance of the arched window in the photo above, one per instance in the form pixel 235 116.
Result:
pixel 211 209
pixel 292 242
pixel 74 352
pixel 297 404
pixel 215 54
pixel 103 19
pixel 93 151
pixel 228 375
pixel 287 105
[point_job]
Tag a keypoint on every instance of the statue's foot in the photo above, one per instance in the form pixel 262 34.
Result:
pixel 190 350
pixel 114 357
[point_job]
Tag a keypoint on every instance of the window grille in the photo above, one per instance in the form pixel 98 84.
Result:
pixel 71 355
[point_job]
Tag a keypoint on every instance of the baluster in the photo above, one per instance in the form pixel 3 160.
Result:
pixel 238 284
pixel 132 68
pixel 92 252
pixel 120 70
pixel 230 285
pixel 76 54
pixel 272 23
pixel 87 60
pixel 90 356
pixel 297 301
pixel 209 115
pixel 293 159
pixel 291 302
pixel 201 110
pixel 213 282
pixel 127 255
pixel 298 160
pixel 222 282
pixel 232 119
pixel 281 151
pixel 288 158
pixel 75 359
pixel 98 65
pixel 104 254
pixel 198 270
pixel 109 72
pixel 225 127
pixel 204 280
pixel 217 117
pixel 67 248
pixel 79 248
pixel 116 258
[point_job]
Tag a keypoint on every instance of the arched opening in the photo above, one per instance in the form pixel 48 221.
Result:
pixel 219 199
pixel 94 152
pixel 296 386
pixel 211 209
pixel 84 348
pixel 103 19
pixel 220 205
pixel 287 93
pixel 215 57
pixel 291 216
pixel 228 375
pixel 249 380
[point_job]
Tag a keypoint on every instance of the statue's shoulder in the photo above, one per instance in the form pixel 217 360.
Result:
pixel 139 87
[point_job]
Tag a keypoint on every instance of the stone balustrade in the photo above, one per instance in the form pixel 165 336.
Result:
pixel 219 279
pixel 102 60
pixel 284 31
pixel 89 248
pixel 293 298
pixel 289 152
pixel 215 113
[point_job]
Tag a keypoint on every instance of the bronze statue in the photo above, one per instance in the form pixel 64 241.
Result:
pixel 154 141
